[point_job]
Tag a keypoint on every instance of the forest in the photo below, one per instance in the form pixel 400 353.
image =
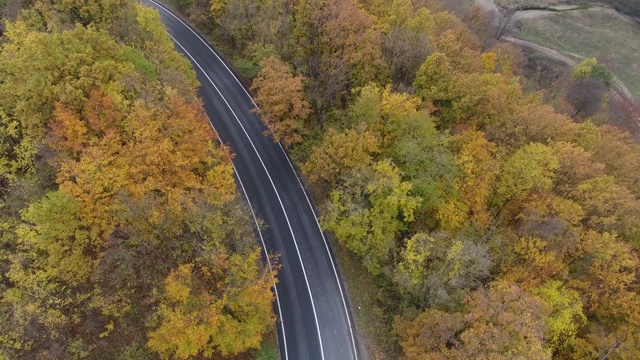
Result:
pixel 122 233
pixel 498 224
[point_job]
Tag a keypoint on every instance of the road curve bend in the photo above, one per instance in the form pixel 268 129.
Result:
pixel 314 321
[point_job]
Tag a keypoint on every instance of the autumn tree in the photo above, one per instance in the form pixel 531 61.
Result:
pixel 530 168
pixel 502 322
pixel 478 165
pixel 370 230
pixel 280 95
pixel 576 165
pixel 482 23
pixel 508 228
pixel 616 150
pixel 343 50
pixel 136 189
pixel 608 206
pixel 605 274
pixel 470 95
pixel 607 269
pixel 160 159
pixel 533 262
pixel 440 271
pixel 405 44
pixel 221 305
pixel 530 122
pixel 339 154
pixel 88 57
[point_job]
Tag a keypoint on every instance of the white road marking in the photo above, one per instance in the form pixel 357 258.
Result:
pixel 304 273
pixel 264 246
pixel 335 272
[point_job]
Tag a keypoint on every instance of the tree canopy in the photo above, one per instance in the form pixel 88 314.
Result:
pixel 120 217
pixel 497 225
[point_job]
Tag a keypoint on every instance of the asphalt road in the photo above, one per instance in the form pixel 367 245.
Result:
pixel 313 317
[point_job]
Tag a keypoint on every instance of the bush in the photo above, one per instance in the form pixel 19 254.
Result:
pixel 247 68
pixel 268 351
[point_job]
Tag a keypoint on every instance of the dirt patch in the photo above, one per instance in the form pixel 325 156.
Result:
pixel 545 50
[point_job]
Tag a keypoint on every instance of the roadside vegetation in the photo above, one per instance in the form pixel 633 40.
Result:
pixel 122 233
pixel 489 224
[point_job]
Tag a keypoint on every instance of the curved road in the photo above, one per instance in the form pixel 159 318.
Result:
pixel 314 320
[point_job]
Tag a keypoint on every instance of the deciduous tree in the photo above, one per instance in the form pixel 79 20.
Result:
pixel 440 271
pixel 340 153
pixel 280 95
pixel 475 156
pixel 221 305
pixel 530 168
pixel 502 322
pixel 370 230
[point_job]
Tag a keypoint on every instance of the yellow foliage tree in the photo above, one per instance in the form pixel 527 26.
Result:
pixel 222 305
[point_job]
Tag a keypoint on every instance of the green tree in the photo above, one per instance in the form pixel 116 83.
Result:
pixel 566 316
pixel 423 156
pixel 367 214
pixel 591 68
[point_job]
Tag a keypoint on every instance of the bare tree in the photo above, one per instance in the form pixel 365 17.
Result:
pixel 586 96
pixel 483 23
pixel 507 22
pixel 625 113
pixel 405 50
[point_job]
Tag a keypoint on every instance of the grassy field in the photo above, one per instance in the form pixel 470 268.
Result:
pixel 461 8
pixel 517 3
pixel 595 33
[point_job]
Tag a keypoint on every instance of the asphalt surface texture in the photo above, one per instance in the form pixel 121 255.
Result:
pixel 313 317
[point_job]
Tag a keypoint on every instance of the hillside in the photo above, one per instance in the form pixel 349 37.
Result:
pixel 557 35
